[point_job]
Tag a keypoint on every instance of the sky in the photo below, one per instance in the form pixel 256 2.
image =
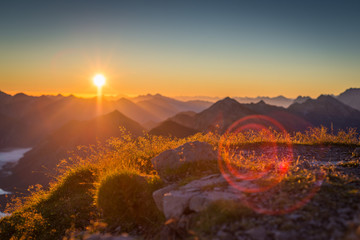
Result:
pixel 180 48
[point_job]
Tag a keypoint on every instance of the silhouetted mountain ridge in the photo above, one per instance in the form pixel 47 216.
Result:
pixel 171 128
pixel 325 110
pixel 351 97
pixel 47 154
pixel 39 116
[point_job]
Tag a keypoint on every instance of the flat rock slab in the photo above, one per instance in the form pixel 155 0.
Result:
pixel 196 195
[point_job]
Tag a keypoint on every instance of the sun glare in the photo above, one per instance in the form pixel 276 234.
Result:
pixel 99 80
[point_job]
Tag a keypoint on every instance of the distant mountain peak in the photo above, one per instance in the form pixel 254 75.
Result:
pixel 280 97
pixel 114 113
pixel 226 103
pixel 228 100
pixel 122 99
pixel 351 97
pixel 351 91
pixel 4 94
pixel 302 99
pixel 327 98
pixel 20 95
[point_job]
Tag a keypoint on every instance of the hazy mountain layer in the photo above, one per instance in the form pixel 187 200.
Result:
pixel 41 161
pixel 26 120
pixel 351 97
pixel 325 110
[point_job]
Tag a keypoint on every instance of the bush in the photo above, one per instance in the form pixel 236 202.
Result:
pixel 47 215
pixel 125 199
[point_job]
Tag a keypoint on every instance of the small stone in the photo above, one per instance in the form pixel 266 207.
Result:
pixel 93 237
pixel 118 229
pixel 295 216
pixel 224 235
pixel 257 233
pixel 358 231
pixel 332 224
pixel 285 235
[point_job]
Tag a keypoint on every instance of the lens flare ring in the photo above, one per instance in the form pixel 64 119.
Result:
pixel 276 163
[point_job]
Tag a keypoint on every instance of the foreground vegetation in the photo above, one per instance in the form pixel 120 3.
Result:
pixel 108 187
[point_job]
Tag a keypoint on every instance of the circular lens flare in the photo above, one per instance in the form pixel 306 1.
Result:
pixel 254 169
pixel 254 156
pixel 99 80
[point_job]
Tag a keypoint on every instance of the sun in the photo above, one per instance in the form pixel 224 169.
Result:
pixel 99 80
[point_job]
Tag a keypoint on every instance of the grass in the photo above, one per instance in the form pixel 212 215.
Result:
pixel 92 184
pixel 48 214
pixel 125 199
pixel 350 164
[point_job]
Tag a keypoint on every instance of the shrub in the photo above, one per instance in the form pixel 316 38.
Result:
pixel 47 215
pixel 125 199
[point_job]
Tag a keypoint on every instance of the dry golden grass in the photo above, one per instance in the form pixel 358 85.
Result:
pixel 83 171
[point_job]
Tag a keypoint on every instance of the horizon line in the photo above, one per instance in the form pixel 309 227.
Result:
pixel 118 96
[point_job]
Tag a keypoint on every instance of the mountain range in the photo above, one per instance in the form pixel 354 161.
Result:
pixel 53 125
pixel 349 97
pixel 325 110
pixel 48 153
pixel 26 120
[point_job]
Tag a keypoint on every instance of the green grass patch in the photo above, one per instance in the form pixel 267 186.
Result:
pixel 47 215
pixel 125 200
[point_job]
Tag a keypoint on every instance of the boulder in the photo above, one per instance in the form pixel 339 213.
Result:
pixel 158 195
pixel 191 152
pixel 194 196
pixel 175 203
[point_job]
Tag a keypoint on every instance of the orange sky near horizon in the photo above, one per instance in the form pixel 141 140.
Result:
pixel 72 72
pixel 128 84
pixel 173 73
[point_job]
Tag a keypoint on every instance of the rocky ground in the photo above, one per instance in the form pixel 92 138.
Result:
pixel 317 198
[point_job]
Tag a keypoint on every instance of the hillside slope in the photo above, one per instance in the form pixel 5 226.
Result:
pixel 45 156
pixel 327 111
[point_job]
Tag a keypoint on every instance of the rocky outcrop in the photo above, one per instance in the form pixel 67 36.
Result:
pixel 190 152
pixel 186 206
pixel 195 196
pixel 158 195
pixel 175 200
